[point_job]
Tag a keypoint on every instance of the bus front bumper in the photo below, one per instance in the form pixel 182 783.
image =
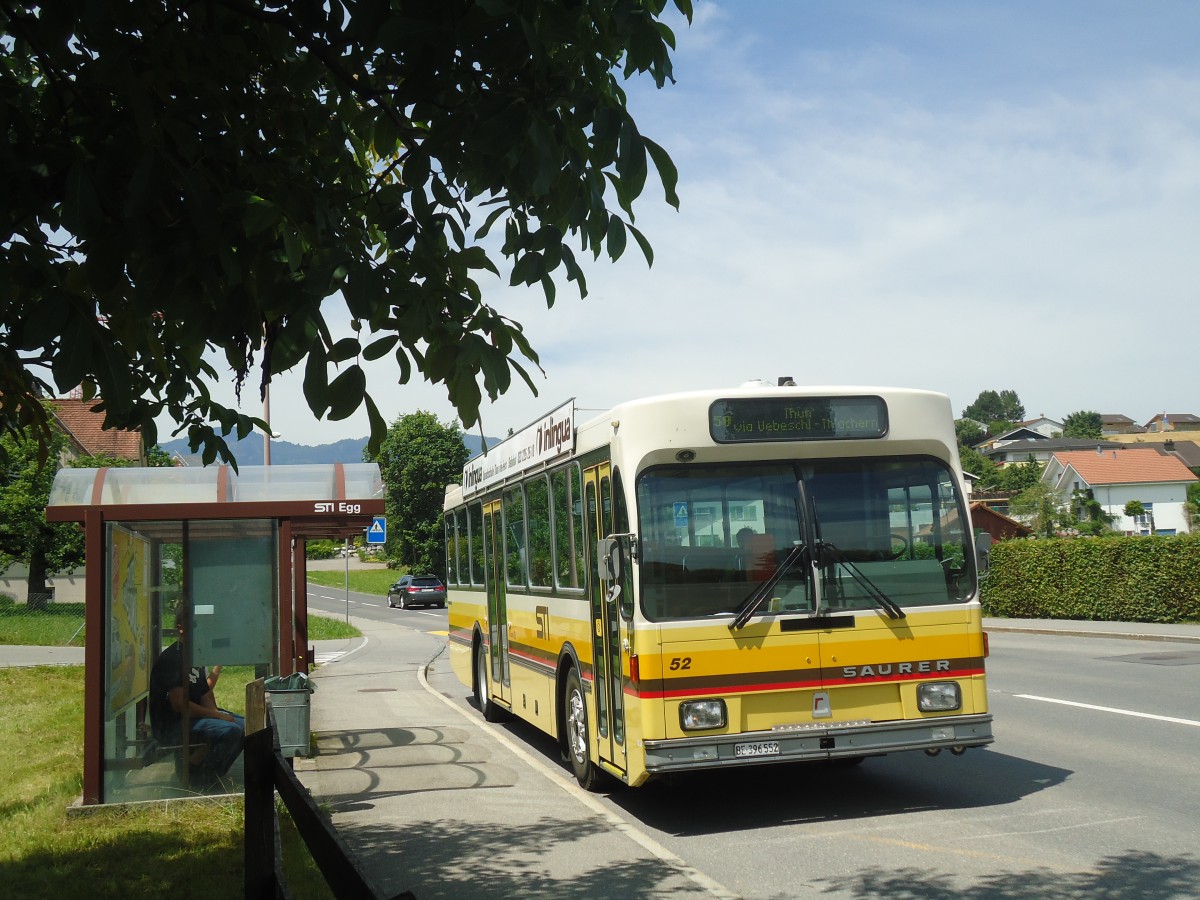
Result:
pixel 817 741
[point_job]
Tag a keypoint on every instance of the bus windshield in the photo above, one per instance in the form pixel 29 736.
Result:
pixel 709 534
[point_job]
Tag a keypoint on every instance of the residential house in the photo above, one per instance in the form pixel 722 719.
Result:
pixel 1174 422
pixel 1115 423
pixel 1037 429
pixel 1115 477
pixel 85 435
pixel 1044 426
pixel 1040 449
pixel 1187 452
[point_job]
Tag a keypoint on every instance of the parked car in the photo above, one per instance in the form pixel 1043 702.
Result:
pixel 417 590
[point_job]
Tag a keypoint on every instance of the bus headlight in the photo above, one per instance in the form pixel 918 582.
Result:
pixel 699 715
pixel 940 696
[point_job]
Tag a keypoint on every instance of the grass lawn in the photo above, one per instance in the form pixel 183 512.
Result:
pixel 364 581
pixel 61 625
pixel 179 850
pixel 57 625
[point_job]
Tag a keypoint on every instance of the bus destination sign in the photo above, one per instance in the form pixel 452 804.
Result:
pixel 746 419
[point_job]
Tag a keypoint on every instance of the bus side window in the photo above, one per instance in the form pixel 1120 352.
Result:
pixel 537 500
pixel 451 574
pixel 578 551
pixel 475 521
pixel 564 571
pixel 514 537
pixel 461 548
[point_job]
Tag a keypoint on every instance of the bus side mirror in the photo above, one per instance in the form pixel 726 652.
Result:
pixel 610 560
pixel 983 552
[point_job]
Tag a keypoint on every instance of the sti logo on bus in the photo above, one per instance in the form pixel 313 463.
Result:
pixel 343 507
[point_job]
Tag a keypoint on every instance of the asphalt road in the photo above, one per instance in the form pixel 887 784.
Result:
pixel 333 602
pixel 1099 798
pixel 1092 788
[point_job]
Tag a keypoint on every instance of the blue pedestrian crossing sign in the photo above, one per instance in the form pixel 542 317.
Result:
pixel 377 533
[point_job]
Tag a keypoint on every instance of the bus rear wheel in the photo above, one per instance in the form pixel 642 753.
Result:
pixel 578 734
pixel 483 695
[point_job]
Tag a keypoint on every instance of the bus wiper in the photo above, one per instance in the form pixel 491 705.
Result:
pixel 764 590
pixel 830 553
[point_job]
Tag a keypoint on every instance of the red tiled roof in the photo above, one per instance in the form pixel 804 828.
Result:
pixel 1118 467
pixel 84 425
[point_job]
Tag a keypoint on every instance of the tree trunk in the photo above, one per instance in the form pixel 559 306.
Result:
pixel 37 596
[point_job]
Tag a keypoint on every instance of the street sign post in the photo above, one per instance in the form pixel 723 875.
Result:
pixel 377 533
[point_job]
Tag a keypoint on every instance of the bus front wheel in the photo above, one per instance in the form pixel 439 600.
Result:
pixel 578 735
pixel 483 695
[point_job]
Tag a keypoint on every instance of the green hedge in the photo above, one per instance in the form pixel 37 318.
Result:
pixel 1118 579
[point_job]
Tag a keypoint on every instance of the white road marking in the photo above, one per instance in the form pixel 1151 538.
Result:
pixel 330 656
pixel 1110 709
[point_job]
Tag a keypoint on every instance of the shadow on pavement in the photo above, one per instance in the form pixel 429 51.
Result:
pixel 1134 874
pixel 467 859
pixel 818 791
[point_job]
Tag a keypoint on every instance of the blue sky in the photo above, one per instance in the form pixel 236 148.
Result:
pixel 956 196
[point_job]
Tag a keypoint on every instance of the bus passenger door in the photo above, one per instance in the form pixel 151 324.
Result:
pixel 610 647
pixel 493 539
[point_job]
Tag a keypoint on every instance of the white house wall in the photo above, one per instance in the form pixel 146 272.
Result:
pixel 1168 500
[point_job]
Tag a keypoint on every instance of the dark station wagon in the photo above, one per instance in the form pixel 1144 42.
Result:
pixel 417 590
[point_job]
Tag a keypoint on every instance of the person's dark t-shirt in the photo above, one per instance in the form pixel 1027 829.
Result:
pixel 164 677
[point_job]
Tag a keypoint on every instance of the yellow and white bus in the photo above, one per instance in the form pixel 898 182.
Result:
pixel 721 578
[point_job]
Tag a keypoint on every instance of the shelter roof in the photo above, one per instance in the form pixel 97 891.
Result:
pixel 319 500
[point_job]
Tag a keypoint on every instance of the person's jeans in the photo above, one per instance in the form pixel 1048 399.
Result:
pixel 223 739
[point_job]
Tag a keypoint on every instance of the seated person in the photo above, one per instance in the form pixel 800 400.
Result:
pixel 215 734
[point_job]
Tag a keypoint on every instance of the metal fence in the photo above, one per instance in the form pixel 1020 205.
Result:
pixel 39 619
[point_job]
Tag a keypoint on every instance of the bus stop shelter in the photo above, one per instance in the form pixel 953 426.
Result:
pixel 231 546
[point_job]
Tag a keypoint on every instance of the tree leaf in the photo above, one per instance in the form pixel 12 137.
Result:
pixel 346 393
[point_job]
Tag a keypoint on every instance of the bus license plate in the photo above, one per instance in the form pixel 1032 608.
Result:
pixel 762 748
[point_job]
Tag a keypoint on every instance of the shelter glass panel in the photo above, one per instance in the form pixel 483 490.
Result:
pixel 222 575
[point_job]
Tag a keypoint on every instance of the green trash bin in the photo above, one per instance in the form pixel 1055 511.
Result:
pixel 290 700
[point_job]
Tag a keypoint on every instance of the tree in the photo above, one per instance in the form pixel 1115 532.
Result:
pixel 1089 514
pixel 969 432
pixel 1083 424
pixel 1039 507
pixel 979 465
pixel 25 483
pixel 1136 510
pixel 25 535
pixel 998 409
pixel 1020 476
pixel 1191 506
pixel 182 178
pixel 417 459
pixel 158 458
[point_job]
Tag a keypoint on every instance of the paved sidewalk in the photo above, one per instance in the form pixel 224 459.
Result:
pixel 1137 631
pixel 432 799
pixel 12 655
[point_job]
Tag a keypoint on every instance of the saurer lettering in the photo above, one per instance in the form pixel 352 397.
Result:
pixel 905 668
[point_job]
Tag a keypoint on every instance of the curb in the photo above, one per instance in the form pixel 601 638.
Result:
pixel 1112 635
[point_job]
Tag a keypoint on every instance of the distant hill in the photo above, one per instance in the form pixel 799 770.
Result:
pixel 249 451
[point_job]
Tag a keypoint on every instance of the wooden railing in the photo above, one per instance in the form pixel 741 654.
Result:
pixel 267 772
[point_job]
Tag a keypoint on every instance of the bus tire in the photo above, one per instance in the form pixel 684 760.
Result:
pixel 483 695
pixel 577 731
